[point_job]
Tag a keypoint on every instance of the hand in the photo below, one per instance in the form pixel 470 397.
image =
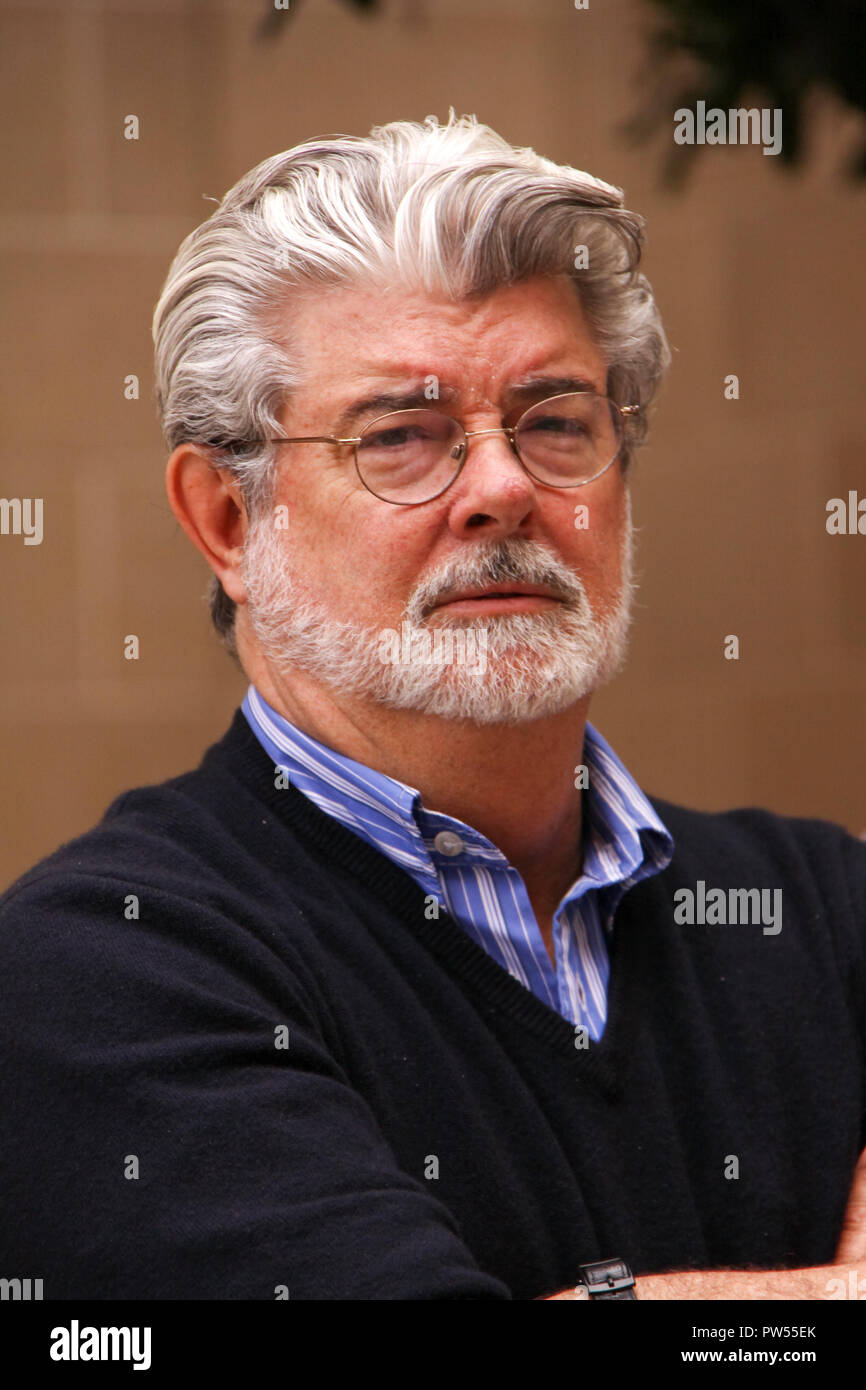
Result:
pixel 852 1242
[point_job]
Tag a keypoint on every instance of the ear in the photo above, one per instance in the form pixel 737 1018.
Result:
pixel 209 506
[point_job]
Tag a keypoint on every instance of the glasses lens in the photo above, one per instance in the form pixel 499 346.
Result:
pixel 410 456
pixel 569 439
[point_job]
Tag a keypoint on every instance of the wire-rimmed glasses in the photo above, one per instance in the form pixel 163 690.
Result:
pixel 409 457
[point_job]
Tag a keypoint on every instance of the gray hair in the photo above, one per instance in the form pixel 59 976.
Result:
pixel 449 209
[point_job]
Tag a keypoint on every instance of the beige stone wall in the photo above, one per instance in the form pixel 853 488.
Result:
pixel 758 272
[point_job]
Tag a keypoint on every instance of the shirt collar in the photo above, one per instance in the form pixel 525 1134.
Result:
pixel 623 838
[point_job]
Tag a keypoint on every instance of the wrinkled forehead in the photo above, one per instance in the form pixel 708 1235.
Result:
pixel 352 339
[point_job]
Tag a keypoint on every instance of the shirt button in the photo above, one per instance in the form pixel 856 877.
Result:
pixel 446 842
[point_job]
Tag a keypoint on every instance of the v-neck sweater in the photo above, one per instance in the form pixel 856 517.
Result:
pixel 243 1060
pixel 623 841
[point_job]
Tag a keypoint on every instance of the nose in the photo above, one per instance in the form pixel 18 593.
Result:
pixel 493 492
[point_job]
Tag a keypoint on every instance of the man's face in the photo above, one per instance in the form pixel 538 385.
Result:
pixel 350 567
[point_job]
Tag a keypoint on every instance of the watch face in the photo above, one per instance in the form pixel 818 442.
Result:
pixel 607 1279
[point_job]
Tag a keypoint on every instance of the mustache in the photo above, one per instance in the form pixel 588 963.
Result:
pixel 497 562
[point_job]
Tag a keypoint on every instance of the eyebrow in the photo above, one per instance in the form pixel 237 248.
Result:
pixel 417 399
pixel 385 401
pixel 544 386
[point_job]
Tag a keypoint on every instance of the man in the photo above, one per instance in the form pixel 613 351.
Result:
pixel 409 991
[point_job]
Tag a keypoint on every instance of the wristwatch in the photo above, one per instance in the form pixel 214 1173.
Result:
pixel 605 1279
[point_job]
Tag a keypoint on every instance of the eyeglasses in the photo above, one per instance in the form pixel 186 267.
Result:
pixel 409 457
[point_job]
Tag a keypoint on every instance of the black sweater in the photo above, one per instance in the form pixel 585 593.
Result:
pixel 430 1130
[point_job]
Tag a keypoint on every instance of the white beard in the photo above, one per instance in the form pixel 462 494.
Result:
pixel 535 664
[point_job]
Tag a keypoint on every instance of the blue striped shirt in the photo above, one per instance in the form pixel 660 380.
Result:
pixel 624 842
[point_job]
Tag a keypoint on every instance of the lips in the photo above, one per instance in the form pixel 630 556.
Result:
pixel 500 591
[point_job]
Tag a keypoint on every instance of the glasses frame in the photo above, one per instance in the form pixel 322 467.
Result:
pixel 624 411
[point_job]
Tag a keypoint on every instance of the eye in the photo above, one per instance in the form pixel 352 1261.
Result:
pixel 561 424
pixel 557 430
pixel 396 437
